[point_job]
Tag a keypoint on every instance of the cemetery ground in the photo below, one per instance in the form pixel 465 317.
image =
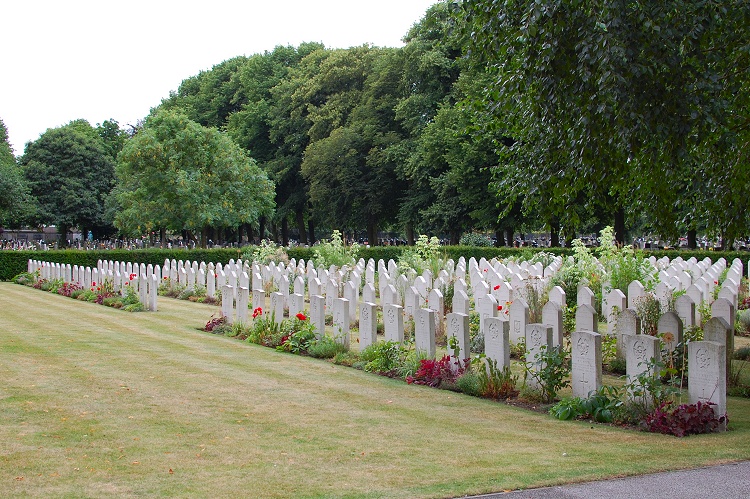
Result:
pixel 95 402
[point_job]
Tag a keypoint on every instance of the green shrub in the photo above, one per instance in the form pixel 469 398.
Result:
pixel 134 307
pixel 476 240
pixel 742 353
pixel 469 384
pixel 382 357
pixel 550 368
pixel 325 348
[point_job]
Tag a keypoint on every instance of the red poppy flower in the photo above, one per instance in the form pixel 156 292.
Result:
pixel 301 317
pixel 499 307
pixel 93 283
pixel 165 278
pixel 496 287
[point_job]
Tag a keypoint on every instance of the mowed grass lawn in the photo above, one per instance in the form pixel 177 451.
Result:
pixel 99 402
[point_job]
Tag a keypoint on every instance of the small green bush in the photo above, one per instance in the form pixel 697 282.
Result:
pixel 325 348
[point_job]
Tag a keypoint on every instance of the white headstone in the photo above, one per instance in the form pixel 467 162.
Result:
pixel 586 363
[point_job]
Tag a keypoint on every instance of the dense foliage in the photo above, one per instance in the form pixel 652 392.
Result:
pixel 559 116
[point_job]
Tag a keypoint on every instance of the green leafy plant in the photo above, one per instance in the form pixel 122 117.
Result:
pixel 299 335
pixel 334 252
pixel 326 347
pixel 383 357
pixel 493 382
pixel 424 255
pixel 476 240
pixel 550 369
pixel 567 409
pixel 266 252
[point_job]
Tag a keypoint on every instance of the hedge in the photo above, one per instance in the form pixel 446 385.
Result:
pixel 14 262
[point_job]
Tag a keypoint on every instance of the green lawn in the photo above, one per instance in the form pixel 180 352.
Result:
pixel 99 402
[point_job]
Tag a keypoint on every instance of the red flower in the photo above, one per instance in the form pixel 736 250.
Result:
pixel 496 287
pixel 499 307
pixel 165 278
pixel 301 317
pixel 127 283
pixel 93 283
pixel 716 282
pixel 258 311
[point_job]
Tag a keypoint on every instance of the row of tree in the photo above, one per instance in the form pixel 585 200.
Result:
pixel 564 114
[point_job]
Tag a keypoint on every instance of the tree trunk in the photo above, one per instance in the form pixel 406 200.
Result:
pixel 262 230
pixel 204 237
pixel 454 237
pixel 499 238
pixel 162 236
pixel 620 226
pixel 311 230
pixel 409 234
pixel 692 237
pixel 372 234
pixel 285 231
pixel 63 231
pixel 300 217
pixel 509 237
pixel 554 233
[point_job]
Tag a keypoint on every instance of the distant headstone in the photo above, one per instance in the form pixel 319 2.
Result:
pixel 460 302
pixel 497 341
pixel 635 292
pixel 557 295
pixel 458 327
pixel 538 342
pixel 616 303
pixel 586 318
pixel 368 324
pixel 424 332
pixel 628 324
pixel 669 329
pixel 393 318
pixel 296 304
pixel 227 303
pixel 318 315
pixel 518 315
pixel 685 309
pixel 243 298
pixel 586 297
pixel 552 315
pixel 277 306
pixel 259 299
pixel 341 321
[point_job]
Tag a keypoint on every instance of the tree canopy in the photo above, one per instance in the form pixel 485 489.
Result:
pixel 70 174
pixel 16 204
pixel 176 174
pixel 559 116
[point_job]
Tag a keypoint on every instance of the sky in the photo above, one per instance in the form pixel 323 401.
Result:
pixel 101 59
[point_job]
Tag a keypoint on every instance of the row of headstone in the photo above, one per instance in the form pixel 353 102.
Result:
pixel 707 365
pixel 144 279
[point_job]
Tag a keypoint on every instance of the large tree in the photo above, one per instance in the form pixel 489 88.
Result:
pixel 16 205
pixel 610 100
pixel 349 103
pixel 176 174
pixel 70 173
